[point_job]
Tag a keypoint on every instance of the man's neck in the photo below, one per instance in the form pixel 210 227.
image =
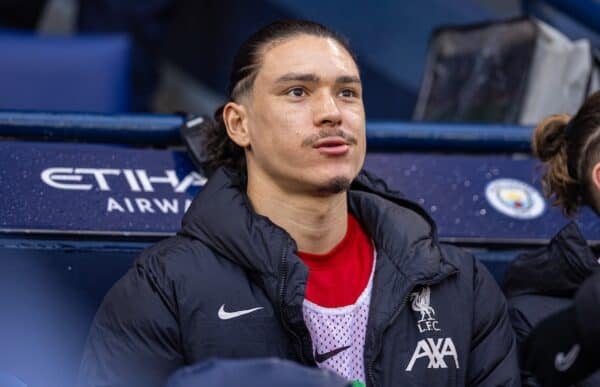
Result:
pixel 317 223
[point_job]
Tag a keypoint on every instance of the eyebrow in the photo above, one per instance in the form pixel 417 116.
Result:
pixel 315 79
pixel 348 79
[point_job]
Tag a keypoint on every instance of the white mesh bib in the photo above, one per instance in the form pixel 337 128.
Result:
pixel 338 334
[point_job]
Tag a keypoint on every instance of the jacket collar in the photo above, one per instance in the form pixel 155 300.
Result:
pixel 555 270
pixel 222 217
pixel 401 230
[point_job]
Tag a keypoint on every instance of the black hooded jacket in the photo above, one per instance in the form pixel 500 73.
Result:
pixel 544 282
pixel 164 313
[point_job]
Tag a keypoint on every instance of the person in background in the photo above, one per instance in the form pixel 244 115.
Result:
pixel 564 348
pixel 291 250
pixel 543 282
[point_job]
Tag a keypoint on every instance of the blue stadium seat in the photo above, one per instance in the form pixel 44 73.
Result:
pixel 576 18
pixel 86 74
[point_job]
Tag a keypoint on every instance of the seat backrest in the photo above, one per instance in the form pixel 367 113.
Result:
pixel 477 72
pixel 88 74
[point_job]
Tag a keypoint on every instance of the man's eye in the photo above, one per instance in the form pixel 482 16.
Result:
pixel 296 92
pixel 348 93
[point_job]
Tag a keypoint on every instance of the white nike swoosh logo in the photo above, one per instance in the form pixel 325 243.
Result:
pixel 223 315
pixel 563 362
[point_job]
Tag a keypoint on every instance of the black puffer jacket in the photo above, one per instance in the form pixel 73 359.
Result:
pixel 543 282
pixel 165 314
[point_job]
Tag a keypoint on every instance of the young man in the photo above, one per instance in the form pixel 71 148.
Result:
pixel 291 251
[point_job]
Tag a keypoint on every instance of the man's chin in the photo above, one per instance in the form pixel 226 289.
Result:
pixel 335 185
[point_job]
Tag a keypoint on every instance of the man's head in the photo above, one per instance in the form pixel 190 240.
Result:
pixel 295 115
pixel 570 150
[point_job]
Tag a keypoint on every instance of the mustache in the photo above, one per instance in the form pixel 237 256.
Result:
pixel 324 133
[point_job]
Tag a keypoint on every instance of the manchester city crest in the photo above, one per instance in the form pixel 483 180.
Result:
pixel 515 198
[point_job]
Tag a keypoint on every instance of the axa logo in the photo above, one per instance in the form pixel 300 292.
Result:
pixel 421 303
pixel 438 352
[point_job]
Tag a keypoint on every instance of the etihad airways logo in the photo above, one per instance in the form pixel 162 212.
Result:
pixel 138 180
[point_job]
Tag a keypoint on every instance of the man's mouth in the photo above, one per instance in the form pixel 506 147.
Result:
pixel 332 146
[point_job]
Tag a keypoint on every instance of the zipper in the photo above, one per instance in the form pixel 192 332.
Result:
pixel 284 317
pixel 370 372
pixel 380 342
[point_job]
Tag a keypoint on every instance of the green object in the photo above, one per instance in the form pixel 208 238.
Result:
pixel 357 383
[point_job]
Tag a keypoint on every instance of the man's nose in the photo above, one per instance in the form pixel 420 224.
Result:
pixel 327 111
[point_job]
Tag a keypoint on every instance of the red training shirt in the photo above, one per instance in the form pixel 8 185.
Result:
pixel 337 278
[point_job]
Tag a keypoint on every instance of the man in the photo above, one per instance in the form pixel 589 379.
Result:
pixel 291 251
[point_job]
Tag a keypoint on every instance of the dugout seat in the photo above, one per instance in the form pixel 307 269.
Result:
pixel 83 73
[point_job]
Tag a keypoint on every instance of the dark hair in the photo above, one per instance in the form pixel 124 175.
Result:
pixel 569 148
pixel 219 149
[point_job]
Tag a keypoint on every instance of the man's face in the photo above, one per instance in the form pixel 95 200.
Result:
pixel 305 117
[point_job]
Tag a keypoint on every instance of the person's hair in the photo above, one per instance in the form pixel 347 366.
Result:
pixel 569 148
pixel 218 148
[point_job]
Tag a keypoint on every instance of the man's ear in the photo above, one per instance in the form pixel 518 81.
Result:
pixel 596 177
pixel 234 117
